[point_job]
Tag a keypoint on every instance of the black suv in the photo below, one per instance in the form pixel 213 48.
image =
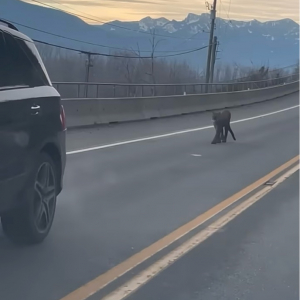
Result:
pixel 32 140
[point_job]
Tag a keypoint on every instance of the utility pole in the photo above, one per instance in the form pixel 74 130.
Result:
pixel 89 64
pixel 211 35
pixel 213 59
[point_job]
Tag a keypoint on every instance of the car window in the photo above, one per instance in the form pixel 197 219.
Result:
pixel 18 65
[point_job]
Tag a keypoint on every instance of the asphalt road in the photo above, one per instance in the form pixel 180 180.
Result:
pixel 255 256
pixel 120 199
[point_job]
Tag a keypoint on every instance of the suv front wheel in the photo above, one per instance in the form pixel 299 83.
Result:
pixel 31 222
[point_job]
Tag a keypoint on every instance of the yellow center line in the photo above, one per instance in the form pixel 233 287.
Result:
pixel 146 275
pixel 106 278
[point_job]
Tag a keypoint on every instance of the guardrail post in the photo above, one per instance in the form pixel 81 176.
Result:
pixel 114 89
pixel 97 90
pixel 142 91
pixel 86 90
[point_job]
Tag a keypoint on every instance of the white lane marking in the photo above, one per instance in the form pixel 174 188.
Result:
pixel 173 133
pixel 147 274
pixel 196 155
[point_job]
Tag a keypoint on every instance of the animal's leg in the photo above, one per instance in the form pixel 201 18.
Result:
pixel 230 130
pixel 223 135
pixel 226 133
pixel 217 135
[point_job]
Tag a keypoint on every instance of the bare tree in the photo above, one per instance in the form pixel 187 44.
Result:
pixel 132 68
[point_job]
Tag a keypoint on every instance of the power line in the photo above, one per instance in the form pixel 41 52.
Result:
pixel 113 25
pixel 73 8
pixel 115 55
pixel 228 17
pixel 180 44
pixel 85 42
pixel 107 22
pixel 182 53
pixel 63 37
pixel 220 13
pixel 229 7
pixel 118 56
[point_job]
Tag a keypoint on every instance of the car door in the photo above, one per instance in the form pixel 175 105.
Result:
pixel 15 114
pixel 45 105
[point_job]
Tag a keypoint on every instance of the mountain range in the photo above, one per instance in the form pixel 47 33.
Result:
pixel 275 43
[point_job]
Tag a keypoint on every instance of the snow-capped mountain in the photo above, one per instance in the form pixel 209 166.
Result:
pixel 245 43
pixel 193 24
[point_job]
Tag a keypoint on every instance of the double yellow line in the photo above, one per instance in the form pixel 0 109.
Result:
pixel 103 280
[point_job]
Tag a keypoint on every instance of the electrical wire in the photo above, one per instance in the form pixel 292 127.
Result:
pixel 89 43
pixel 119 56
pixel 110 24
pixel 160 51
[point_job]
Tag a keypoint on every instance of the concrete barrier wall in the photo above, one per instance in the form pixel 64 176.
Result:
pixel 86 112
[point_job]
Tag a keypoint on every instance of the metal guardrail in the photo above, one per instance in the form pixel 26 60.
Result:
pixel 125 90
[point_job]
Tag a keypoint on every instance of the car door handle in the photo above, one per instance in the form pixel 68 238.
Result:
pixel 35 109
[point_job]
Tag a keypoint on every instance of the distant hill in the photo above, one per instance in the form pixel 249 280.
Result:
pixel 246 43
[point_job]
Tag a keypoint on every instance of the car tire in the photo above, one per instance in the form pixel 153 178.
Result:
pixel 31 222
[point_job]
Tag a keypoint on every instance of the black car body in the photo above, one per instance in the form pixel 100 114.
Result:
pixel 32 137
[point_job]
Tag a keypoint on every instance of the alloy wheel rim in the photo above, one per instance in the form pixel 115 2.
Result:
pixel 44 197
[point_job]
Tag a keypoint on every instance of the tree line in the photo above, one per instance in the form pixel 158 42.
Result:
pixel 68 66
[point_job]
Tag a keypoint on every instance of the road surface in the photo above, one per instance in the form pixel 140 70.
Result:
pixel 123 197
pixel 256 256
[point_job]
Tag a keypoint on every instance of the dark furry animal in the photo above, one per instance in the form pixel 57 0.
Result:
pixel 222 121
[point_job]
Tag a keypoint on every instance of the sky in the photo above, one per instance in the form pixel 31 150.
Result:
pixel 126 10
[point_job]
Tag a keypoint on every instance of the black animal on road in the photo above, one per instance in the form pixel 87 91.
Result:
pixel 222 122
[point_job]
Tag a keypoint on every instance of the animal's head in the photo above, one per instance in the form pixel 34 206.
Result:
pixel 215 115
